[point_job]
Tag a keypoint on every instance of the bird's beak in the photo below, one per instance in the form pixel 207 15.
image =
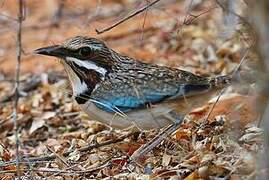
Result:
pixel 56 50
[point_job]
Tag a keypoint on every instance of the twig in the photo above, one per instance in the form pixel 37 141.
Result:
pixel 127 17
pixel 190 18
pixel 83 149
pixel 213 106
pixel 224 89
pixel 58 171
pixel 156 140
pixel 144 23
pixel 188 10
pixel 241 62
pixel 17 83
pixel 130 33
pixel 97 145
pixel 58 156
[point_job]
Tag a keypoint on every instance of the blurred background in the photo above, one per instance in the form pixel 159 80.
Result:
pixel 157 35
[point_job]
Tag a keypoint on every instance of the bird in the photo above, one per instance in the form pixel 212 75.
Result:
pixel 121 91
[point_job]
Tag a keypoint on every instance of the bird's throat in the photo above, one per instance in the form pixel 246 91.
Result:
pixel 83 81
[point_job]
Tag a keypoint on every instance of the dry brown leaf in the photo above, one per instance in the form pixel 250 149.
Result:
pixel 36 124
pixel 166 159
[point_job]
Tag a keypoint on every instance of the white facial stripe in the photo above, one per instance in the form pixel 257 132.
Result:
pixel 78 86
pixel 88 65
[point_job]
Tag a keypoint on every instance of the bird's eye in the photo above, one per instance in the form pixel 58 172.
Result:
pixel 85 51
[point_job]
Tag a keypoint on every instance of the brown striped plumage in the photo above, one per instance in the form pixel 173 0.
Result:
pixel 115 88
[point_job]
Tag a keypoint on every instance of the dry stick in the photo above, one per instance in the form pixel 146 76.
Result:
pixel 17 83
pixel 213 106
pixel 83 149
pixel 224 89
pixel 58 171
pixel 127 17
pixel 190 18
pixel 58 156
pixel 193 17
pixel 144 149
pixel 186 15
pixel 97 145
pixel 144 22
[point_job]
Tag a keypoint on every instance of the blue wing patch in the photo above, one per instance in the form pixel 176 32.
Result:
pixel 124 104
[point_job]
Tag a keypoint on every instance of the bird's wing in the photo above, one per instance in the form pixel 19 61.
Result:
pixel 125 94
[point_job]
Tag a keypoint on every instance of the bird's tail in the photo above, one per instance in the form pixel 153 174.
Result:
pixel 239 77
pixel 221 81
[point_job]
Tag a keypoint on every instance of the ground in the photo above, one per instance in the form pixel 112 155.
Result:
pixel 58 140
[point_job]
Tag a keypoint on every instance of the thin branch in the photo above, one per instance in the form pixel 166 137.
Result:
pixel 58 156
pixel 157 139
pixel 97 145
pixel 58 171
pixel 214 105
pixel 127 17
pixel 224 89
pixel 188 10
pixel 144 23
pixel 191 17
pixel 83 149
pixel 17 84
pixel 241 62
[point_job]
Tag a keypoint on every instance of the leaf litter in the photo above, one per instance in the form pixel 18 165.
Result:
pixel 57 140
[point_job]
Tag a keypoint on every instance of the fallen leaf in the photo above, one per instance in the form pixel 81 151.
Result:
pixel 36 124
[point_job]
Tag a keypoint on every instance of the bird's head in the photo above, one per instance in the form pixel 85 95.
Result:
pixel 81 52
pixel 86 60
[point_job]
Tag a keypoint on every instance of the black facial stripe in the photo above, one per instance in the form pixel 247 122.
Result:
pixel 84 74
pixel 83 97
pixel 77 69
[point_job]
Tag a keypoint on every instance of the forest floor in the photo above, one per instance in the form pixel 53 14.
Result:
pixel 57 140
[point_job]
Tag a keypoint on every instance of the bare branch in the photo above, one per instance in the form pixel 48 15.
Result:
pixel 17 83
pixel 127 17
pixel 157 139
pixel 190 18
pixel 82 149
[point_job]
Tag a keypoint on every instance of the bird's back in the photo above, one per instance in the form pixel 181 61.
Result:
pixel 150 91
pixel 111 87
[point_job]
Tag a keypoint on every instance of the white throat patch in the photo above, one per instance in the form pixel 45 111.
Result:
pixel 78 86
pixel 88 65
